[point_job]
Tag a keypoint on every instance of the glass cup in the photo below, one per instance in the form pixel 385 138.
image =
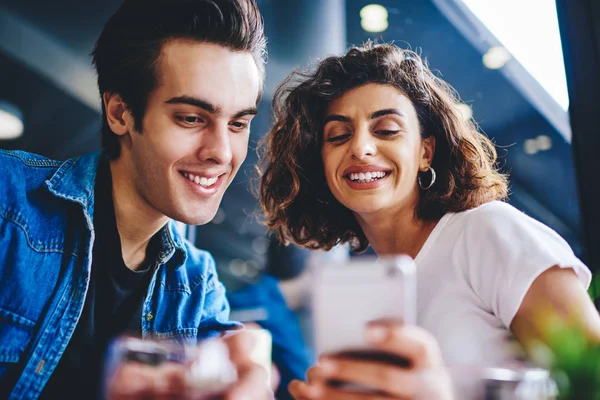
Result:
pixel 199 372
pixel 502 383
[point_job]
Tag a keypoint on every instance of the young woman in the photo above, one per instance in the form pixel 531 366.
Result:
pixel 369 148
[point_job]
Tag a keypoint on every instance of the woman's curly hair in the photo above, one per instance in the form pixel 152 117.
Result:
pixel 294 195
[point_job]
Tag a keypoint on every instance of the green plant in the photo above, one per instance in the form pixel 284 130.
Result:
pixel 568 352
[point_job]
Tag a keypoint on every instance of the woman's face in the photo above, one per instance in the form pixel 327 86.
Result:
pixel 373 150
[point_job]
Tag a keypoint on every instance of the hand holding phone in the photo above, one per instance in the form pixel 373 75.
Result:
pixel 425 378
pixel 349 295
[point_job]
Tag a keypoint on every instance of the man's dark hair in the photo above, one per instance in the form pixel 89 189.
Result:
pixel 127 53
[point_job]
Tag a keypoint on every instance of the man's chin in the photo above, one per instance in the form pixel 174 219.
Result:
pixel 200 218
pixel 196 221
pixel 192 218
pixel 195 213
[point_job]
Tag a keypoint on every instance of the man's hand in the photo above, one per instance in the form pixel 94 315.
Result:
pixel 134 380
pixel 252 378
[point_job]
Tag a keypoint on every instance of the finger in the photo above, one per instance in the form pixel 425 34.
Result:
pixel 415 344
pixel 275 377
pixel 135 379
pixel 315 375
pixel 252 382
pixel 328 392
pixel 382 377
pixel 240 346
pixel 301 390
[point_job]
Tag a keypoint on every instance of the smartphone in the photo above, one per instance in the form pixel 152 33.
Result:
pixel 347 295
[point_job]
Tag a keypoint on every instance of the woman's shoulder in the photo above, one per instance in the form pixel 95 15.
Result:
pixel 496 215
pixel 500 225
pixel 492 210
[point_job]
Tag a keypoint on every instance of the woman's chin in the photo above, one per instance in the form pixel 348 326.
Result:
pixel 366 208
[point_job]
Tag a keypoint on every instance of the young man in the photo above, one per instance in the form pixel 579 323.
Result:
pixel 88 250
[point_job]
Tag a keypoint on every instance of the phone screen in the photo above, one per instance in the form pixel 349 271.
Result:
pixel 347 296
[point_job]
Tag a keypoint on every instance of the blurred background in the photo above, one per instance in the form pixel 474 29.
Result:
pixel 508 71
pixel 504 57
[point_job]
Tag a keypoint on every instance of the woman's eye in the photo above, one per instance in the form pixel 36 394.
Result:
pixel 338 138
pixel 387 132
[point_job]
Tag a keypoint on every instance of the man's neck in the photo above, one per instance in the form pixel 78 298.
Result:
pixel 136 220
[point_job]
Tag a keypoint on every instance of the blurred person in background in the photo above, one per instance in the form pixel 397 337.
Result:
pixel 370 149
pixel 261 302
pixel 88 248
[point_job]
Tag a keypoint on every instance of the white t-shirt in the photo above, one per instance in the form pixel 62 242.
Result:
pixel 473 273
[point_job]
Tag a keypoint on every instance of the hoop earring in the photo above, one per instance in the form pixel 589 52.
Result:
pixel 423 187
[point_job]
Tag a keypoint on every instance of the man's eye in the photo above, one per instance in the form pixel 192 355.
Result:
pixel 239 126
pixel 190 119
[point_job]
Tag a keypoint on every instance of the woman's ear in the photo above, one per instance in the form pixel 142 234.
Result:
pixel 118 116
pixel 427 152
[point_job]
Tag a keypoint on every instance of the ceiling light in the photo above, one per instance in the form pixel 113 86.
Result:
pixel 544 142
pixel 496 57
pixel 535 145
pixel 374 18
pixel 530 146
pixel 11 121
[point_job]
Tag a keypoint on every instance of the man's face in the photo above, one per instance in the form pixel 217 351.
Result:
pixel 195 130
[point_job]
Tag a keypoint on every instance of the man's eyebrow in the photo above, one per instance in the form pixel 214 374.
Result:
pixel 207 106
pixel 196 102
pixel 247 111
pixel 336 117
pixel 387 111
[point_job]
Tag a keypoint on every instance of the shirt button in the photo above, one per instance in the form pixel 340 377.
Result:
pixel 40 366
pixel 149 317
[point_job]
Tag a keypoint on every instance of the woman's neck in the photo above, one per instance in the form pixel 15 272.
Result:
pixel 401 232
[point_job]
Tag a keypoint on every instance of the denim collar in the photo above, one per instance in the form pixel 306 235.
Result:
pixel 172 245
pixel 74 181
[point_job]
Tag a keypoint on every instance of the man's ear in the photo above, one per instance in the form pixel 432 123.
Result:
pixel 427 153
pixel 119 118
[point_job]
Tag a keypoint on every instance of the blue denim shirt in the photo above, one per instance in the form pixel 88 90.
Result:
pixel 46 240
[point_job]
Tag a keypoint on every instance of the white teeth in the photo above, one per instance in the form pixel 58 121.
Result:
pixel 203 181
pixel 366 177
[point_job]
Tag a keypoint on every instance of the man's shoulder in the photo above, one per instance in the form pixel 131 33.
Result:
pixel 16 165
pixel 21 172
pixel 26 159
